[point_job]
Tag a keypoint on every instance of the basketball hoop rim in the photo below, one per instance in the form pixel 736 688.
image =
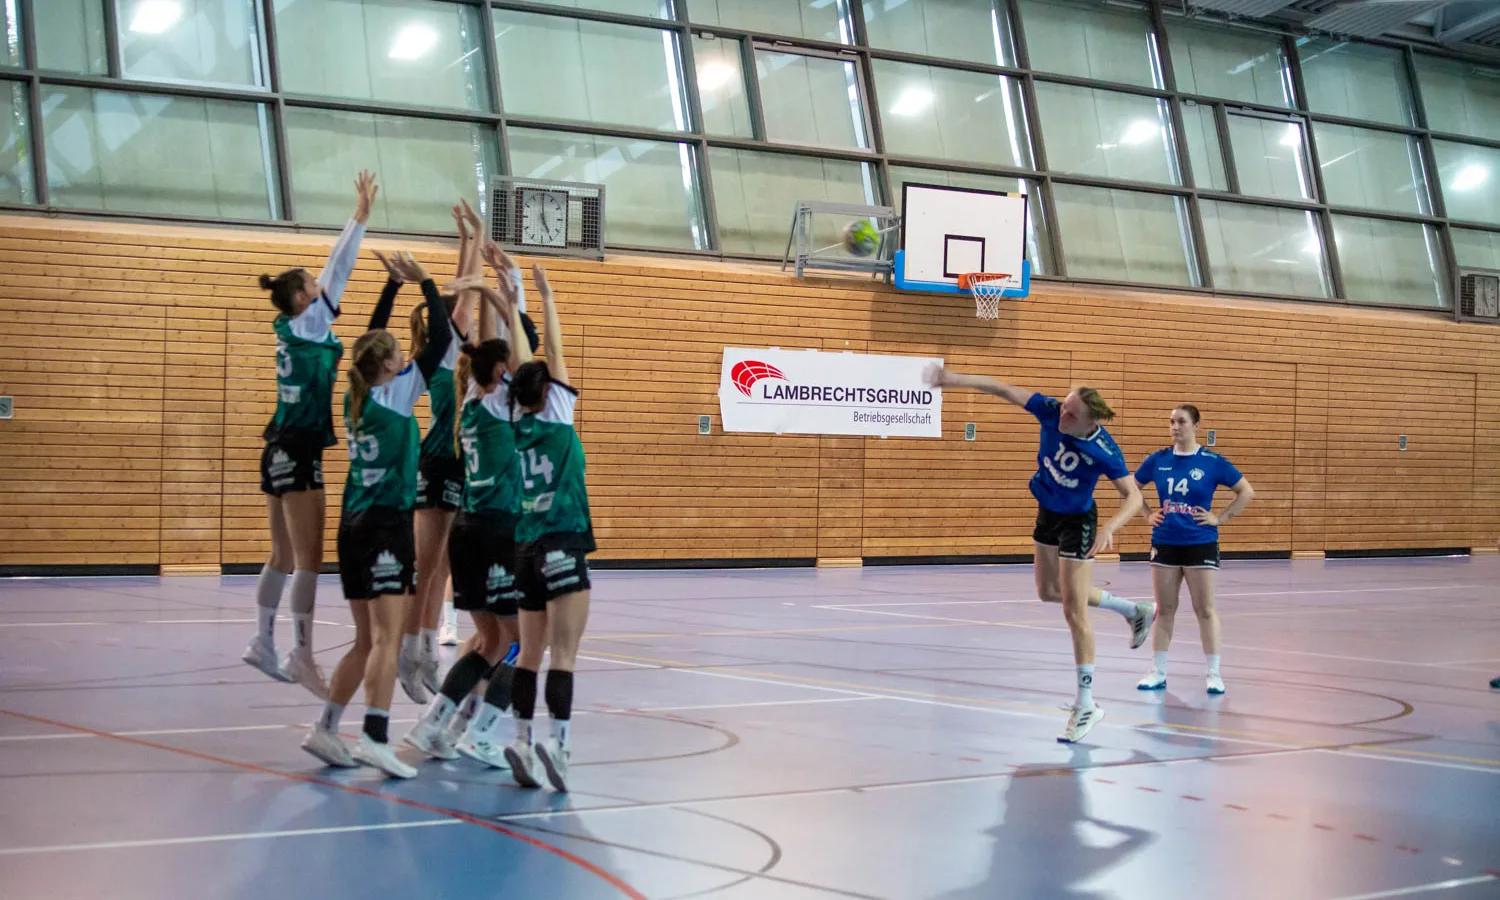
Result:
pixel 968 279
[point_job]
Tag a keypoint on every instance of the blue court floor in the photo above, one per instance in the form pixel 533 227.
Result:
pixel 787 735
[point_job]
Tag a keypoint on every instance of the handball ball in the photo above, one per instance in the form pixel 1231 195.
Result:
pixel 861 238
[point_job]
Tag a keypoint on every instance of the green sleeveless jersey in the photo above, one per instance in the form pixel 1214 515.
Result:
pixel 492 473
pixel 383 445
pixel 554 498
pixel 307 362
pixel 444 399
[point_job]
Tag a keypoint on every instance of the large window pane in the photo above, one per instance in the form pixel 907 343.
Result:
pixel 817 19
pixel 594 71
pixel 1460 97
pixel 418 52
pixel 15 145
pixel 1476 249
pixel 1094 132
pixel 1263 250
pixel 10 34
pixel 171 155
pixel 1390 262
pixel 651 187
pixel 1373 169
pixel 1360 81
pixel 1270 157
pixel 1115 235
pixel 1231 64
pixel 1204 151
pixel 425 166
pixel 70 36
pixel 756 192
pixel 192 40
pixel 660 9
pixel 948 114
pixel 1037 249
pixel 721 86
pixel 971 30
pixel 1090 40
pixel 810 100
pixel 1470 177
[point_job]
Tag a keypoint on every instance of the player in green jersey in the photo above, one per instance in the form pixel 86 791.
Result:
pixel 291 468
pixel 553 539
pixel 440 478
pixel 482 546
pixel 375 547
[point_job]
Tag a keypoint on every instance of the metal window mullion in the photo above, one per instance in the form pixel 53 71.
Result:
pixel 688 63
pixel 113 63
pixel 751 76
pixel 578 12
pixel 1184 157
pixel 1325 216
pixel 497 96
pixel 288 203
pixel 1226 148
pixel 35 131
pixel 1038 147
pixel 1449 253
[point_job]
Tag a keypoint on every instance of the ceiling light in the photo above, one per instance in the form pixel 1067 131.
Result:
pixel 414 42
pixel 1139 132
pixel 1470 177
pixel 714 75
pixel 912 101
pixel 155 16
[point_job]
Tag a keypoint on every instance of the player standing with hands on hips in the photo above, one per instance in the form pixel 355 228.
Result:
pixel 1075 451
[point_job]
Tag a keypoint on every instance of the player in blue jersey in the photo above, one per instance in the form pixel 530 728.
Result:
pixel 291 467
pixel 1075 451
pixel 1185 538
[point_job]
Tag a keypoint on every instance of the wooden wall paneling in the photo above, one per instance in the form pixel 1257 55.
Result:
pixel 1310 460
pixel 196 376
pixel 1485 532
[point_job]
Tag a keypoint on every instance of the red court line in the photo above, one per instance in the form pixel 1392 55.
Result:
pixel 613 880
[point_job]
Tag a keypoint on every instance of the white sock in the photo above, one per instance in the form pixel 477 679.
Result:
pixel 1213 663
pixel 333 713
pixel 486 721
pixel 1159 661
pixel 523 731
pixel 1085 686
pixel 408 646
pixel 304 596
pixel 1115 603
pixel 439 711
pixel 268 598
pixel 560 731
pixel 429 643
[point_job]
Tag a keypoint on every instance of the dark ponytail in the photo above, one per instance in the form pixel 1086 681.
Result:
pixel 284 288
pixel 529 384
pixel 1192 412
pixel 477 363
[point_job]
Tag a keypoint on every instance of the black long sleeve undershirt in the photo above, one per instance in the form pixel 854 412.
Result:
pixel 439 332
pixel 382 314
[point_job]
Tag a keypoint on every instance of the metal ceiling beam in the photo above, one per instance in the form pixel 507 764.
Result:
pixel 1254 8
pixel 1371 19
pixel 1461 21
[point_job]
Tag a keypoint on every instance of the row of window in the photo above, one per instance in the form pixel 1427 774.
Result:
pixel 1260 119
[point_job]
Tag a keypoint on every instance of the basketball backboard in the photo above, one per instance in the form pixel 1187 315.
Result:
pixel 948 232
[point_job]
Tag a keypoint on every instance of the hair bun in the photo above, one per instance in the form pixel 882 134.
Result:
pixel 267 282
pixel 468 349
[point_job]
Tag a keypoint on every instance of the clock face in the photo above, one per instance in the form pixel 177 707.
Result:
pixel 544 218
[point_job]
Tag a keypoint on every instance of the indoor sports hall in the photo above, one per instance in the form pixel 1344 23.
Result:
pixel 750 449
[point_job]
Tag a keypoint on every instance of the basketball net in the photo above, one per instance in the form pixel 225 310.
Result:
pixel 987 288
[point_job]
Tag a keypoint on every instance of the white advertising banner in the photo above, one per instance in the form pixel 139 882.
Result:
pixel 813 392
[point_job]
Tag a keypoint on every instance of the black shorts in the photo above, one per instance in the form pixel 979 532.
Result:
pixel 1071 533
pixel 440 483
pixel 377 554
pixel 286 468
pixel 545 574
pixel 482 554
pixel 1186 556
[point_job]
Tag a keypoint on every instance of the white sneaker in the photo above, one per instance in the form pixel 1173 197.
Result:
pixel 1154 681
pixel 483 749
pixel 262 655
pixel 431 740
pixel 427 670
pixel 1215 683
pixel 407 672
pixel 382 757
pixel 1140 623
pixel 523 765
pixel 328 747
pixel 448 634
pixel 554 758
pixel 1080 723
pixel 303 669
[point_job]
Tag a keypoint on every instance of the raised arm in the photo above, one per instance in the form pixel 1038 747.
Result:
pixel 468 266
pixel 394 279
pixel 341 260
pixel 556 364
pixel 938 376
pixel 439 330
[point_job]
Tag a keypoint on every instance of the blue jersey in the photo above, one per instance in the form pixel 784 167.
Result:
pixel 1068 468
pixel 1185 483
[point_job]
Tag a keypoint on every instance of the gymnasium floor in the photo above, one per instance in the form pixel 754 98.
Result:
pixel 791 734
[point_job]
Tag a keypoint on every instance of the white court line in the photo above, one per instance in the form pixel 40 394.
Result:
pixel 1420 762
pixel 621 662
pixel 748 705
pixel 218 838
pixel 1425 888
pixel 159 732
pixel 150 622
pixel 921 603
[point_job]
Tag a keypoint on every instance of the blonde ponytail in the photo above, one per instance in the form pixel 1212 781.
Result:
pixel 370 353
